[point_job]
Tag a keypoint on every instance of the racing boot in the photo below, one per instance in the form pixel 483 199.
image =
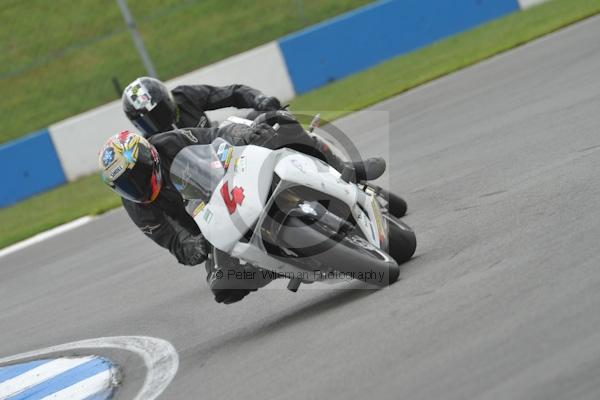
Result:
pixel 230 281
pixel 364 170
pixel 291 134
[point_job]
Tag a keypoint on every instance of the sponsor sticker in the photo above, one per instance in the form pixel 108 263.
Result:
pixel 228 158
pixel 108 157
pixel 207 216
pixel 221 150
pixel 240 164
pixel 139 96
pixel 116 172
pixel 198 209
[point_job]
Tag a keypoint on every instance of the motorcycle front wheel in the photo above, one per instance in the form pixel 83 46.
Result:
pixel 402 240
pixel 349 254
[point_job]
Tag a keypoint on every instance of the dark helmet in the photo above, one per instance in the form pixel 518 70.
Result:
pixel 150 106
pixel 131 167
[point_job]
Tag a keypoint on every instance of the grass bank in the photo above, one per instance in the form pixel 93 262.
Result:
pixel 444 57
pixel 89 196
pixel 55 207
pixel 58 57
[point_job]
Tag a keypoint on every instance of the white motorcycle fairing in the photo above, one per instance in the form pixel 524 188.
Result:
pixel 239 202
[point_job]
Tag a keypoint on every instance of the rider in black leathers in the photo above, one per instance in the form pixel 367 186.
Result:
pixel 165 219
pixel 152 108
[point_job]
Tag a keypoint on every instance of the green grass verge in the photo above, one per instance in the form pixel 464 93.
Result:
pixel 58 57
pixel 408 71
pixel 55 207
pixel 89 196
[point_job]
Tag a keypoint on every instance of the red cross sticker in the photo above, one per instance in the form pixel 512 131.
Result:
pixel 236 198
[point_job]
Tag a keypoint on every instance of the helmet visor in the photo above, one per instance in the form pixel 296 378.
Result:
pixel 141 183
pixel 159 119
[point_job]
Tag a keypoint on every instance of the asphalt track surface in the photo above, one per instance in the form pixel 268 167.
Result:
pixel 499 164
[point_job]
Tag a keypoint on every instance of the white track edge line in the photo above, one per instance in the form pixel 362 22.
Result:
pixel 40 237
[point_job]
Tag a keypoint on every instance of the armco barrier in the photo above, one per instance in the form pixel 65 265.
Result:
pixel 29 166
pixel 360 39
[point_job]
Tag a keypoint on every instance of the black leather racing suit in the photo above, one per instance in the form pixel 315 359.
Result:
pixel 168 225
pixel 192 101
pixel 166 221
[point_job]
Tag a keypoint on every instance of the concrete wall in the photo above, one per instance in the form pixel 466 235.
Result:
pixel 79 138
pixel 529 3
pixel 295 64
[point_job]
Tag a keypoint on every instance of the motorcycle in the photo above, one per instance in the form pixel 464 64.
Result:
pixel 292 214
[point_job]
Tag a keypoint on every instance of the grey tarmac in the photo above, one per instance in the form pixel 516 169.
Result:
pixel 500 166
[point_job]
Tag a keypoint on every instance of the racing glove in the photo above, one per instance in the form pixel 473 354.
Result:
pixel 193 250
pixel 264 103
pixel 262 135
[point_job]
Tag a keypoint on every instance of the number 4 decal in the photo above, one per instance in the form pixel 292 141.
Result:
pixel 233 199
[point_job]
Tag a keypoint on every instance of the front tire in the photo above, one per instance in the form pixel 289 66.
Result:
pixel 350 254
pixel 396 205
pixel 402 240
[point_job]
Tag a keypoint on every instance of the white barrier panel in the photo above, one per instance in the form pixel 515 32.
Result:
pixel 530 3
pixel 262 68
pixel 78 139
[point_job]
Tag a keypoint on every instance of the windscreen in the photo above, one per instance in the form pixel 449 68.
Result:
pixel 197 170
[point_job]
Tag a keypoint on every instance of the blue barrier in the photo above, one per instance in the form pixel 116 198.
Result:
pixel 362 38
pixel 29 166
